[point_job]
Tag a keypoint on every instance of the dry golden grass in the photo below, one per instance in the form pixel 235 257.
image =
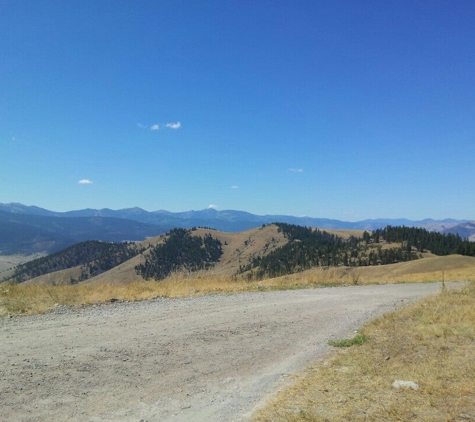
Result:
pixel 437 268
pixel 240 248
pixel 33 298
pixel 344 233
pixel 8 262
pixel 431 343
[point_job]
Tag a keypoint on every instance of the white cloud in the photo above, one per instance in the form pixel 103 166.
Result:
pixel 154 127
pixel 296 170
pixel 85 182
pixel 234 187
pixel 141 126
pixel 176 125
pixel 212 206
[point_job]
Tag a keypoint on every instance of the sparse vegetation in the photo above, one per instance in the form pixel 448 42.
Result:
pixel 358 340
pixel 189 263
pixel 27 299
pixel 431 343
pixel 93 256
pixel 308 248
pixel 267 252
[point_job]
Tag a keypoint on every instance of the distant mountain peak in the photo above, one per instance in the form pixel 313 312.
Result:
pixel 232 220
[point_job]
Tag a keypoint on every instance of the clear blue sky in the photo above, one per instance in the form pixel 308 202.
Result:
pixel 338 109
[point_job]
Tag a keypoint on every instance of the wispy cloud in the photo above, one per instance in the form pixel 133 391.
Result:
pixel 176 125
pixel 234 187
pixel 212 206
pixel 156 126
pixel 296 170
pixel 85 182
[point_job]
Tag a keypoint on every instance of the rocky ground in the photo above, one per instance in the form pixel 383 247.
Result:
pixel 212 358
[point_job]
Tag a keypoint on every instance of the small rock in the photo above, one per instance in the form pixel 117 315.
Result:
pixel 405 384
pixel 465 416
pixel 387 358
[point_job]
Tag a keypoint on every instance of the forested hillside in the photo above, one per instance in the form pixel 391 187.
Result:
pixel 437 243
pixel 180 251
pixel 309 248
pixel 299 248
pixel 93 256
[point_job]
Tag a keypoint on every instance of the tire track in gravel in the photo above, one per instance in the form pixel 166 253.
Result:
pixel 211 358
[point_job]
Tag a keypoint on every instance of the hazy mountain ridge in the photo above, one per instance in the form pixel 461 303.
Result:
pixel 26 233
pixel 231 218
pixel 36 229
pixel 465 230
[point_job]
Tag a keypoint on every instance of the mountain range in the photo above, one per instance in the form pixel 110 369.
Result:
pixel 31 229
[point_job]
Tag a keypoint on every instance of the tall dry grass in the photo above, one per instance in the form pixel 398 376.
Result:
pixel 30 299
pixel 431 343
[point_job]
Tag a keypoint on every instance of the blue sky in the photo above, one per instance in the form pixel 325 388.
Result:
pixel 338 109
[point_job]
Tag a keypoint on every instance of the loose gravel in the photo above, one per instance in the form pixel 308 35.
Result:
pixel 211 358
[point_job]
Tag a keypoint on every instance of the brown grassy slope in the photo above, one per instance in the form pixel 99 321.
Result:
pixel 7 262
pixel 56 277
pixel 431 343
pixel 432 268
pixel 37 298
pixel 240 248
pixel 121 274
pixel 237 248
pixel 344 233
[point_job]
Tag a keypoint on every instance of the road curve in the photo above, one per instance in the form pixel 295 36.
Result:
pixel 209 358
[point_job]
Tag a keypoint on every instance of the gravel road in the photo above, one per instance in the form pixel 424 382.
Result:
pixel 212 358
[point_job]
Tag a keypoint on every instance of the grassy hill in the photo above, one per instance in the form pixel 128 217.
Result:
pixel 238 248
pixel 428 269
pixel 266 252
pixel 123 282
pixel 88 259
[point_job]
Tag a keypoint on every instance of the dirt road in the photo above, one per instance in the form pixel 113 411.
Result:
pixel 212 358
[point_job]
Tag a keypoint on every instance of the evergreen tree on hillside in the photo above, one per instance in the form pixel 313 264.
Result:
pixel 423 240
pixel 180 251
pixel 94 256
pixel 309 248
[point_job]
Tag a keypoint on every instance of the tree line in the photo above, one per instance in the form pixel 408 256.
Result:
pixel 309 248
pixel 94 257
pixel 423 240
